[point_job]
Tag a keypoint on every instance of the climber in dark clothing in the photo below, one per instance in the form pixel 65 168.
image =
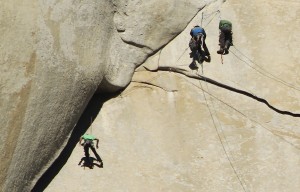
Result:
pixel 88 144
pixel 225 37
pixel 198 46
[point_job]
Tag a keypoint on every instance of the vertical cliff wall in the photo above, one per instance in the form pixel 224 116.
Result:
pixel 231 126
pixel 55 55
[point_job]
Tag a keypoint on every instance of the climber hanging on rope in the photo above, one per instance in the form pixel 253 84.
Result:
pixel 225 37
pixel 198 46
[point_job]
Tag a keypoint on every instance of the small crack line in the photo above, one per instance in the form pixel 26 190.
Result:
pixel 137 45
pixel 151 84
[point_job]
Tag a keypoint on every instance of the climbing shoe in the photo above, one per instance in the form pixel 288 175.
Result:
pixel 194 64
pixel 226 52
pixel 221 51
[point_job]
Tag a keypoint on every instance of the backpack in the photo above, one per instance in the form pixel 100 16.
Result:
pixel 225 25
pixel 196 31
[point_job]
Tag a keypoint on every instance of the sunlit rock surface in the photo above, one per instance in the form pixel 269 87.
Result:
pixel 166 131
pixel 171 132
pixel 55 55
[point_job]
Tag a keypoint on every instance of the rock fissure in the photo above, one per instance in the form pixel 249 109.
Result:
pixel 151 84
pixel 137 45
pixel 163 123
pixel 273 132
pixel 214 82
pixel 262 71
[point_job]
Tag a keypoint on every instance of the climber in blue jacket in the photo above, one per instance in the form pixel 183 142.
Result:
pixel 198 46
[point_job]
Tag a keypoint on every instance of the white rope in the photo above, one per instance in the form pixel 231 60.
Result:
pixel 228 155
pixel 261 70
pixel 202 19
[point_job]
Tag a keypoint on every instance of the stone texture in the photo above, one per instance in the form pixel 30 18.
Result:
pixel 55 55
pixel 170 132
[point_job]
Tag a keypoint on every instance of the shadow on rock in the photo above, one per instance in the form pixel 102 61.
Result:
pixel 90 112
pixel 90 163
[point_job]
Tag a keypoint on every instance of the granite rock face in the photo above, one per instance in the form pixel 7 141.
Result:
pixel 55 55
pixel 237 129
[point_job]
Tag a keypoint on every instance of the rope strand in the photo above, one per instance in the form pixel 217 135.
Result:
pixel 269 75
pixel 220 139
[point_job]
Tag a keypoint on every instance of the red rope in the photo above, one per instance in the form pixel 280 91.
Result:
pixel 222 58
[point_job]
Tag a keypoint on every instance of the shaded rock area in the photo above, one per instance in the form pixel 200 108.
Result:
pixel 228 126
pixel 55 55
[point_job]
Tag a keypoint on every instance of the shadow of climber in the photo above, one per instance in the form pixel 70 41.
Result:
pixel 84 162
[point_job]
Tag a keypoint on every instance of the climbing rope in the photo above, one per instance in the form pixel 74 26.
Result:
pixel 215 13
pixel 203 17
pixel 227 153
pixel 244 115
pixel 263 71
pixel 222 59
pixel 210 112
pixel 213 120
pixel 218 133
pixel 269 75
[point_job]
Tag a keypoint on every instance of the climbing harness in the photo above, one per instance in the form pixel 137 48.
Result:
pixel 218 12
pixel 214 119
pixel 210 111
pixel 203 17
pixel 199 60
